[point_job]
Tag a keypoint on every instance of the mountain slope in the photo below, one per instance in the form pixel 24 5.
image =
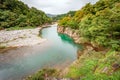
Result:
pixel 16 13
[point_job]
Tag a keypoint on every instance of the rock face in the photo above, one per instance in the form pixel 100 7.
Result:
pixel 87 46
pixel 72 33
pixel 78 39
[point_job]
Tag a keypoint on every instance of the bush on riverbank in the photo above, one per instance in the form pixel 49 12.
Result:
pixel 16 13
pixel 43 74
pixel 96 66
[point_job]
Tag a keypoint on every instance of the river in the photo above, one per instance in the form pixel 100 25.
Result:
pixel 58 51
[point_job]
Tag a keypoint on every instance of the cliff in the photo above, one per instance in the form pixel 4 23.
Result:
pixel 70 32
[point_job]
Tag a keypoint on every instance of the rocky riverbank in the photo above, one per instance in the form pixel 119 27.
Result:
pixel 78 39
pixel 88 47
pixel 71 32
pixel 92 55
pixel 17 38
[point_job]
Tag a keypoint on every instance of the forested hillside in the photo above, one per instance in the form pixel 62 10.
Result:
pixel 99 28
pixel 98 23
pixel 14 13
pixel 60 16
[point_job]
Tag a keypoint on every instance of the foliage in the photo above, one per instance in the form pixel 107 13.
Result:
pixel 95 66
pixel 41 74
pixel 99 23
pixel 16 13
pixel 65 21
pixel 58 17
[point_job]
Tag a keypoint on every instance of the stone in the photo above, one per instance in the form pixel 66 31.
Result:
pixel 105 70
pixel 115 66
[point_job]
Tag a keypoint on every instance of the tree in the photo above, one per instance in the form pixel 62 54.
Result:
pixel 16 13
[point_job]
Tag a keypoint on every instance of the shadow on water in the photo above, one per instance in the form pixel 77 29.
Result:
pixel 67 39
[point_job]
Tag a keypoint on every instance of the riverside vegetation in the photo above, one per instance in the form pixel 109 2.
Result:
pixel 98 27
pixel 14 14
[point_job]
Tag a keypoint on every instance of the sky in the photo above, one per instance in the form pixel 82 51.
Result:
pixel 57 6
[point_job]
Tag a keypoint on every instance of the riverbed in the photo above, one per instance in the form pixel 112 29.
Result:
pixel 18 38
pixel 59 51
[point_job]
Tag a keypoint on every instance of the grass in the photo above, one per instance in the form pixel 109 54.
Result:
pixel 19 28
pixel 40 75
pixel 92 66
pixel 2 47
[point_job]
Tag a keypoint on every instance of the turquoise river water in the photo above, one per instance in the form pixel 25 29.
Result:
pixel 59 51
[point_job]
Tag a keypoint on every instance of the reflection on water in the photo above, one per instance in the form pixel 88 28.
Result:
pixel 66 38
pixel 58 51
